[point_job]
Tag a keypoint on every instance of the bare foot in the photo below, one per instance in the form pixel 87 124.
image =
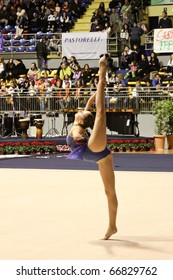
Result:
pixel 103 62
pixel 109 233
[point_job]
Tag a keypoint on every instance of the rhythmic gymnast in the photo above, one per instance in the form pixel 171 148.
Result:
pixel 94 148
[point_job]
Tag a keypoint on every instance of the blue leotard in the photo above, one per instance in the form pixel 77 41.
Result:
pixel 80 150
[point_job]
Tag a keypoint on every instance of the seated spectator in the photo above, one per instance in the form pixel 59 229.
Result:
pixel 33 71
pixel 32 89
pixel 120 80
pixel 154 62
pixel 95 26
pixel 135 54
pixel 105 21
pixel 132 73
pixel 86 75
pixel 124 36
pixel 65 22
pixel 125 60
pixel 111 79
pixel 156 80
pixel 101 9
pixel 143 69
pixel 10 69
pixel 2 68
pixel 65 69
pixel 66 80
pixel 54 44
pixel 95 16
pixel 22 17
pixel 20 68
pixel 170 65
pixel 55 79
pixel 73 62
pixel 106 28
pixel 126 11
pixel 23 84
pixel 76 75
pixel 4 15
pixel 114 23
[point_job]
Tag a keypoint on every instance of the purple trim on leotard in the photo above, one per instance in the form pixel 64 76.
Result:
pixel 81 151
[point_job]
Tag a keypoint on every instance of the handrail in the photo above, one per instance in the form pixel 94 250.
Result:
pixel 126 99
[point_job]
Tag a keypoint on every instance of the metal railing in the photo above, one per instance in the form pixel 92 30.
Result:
pixel 27 42
pixel 120 100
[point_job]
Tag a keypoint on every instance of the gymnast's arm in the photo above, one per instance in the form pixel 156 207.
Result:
pixel 90 102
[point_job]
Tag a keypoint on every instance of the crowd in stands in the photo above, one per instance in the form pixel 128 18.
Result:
pixel 120 19
pixel 69 81
pixel 30 16
pixel 69 77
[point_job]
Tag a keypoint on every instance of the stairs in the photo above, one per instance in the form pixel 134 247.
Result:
pixel 84 23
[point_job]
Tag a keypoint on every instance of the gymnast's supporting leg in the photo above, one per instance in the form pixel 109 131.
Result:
pixel 108 177
pixel 97 142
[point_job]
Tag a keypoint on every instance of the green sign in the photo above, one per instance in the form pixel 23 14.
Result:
pixel 161 2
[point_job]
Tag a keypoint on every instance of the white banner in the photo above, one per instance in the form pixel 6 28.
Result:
pixel 84 45
pixel 163 40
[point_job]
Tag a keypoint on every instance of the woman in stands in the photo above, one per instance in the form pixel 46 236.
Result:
pixel 154 62
pixel 170 65
pixel 94 148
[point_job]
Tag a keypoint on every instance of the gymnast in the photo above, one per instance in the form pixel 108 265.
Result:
pixel 93 148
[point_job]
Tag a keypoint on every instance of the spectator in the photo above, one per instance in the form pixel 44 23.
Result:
pixel 65 21
pixel 20 68
pixel 4 15
pixel 125 58
pixel 86 74
pixel 10 69
pixel 165 21
pixel 105 21
pixel 144 69
pixel 106 28
pixel 126 11
pixel 33 71
pixel 154 62
pixel 42 52
pixel 95 16
pixel 101 9
pixel 135 54
pixel 2 68
pixel 54 44
pixel 133 71
pixel 114 22
pixel 124 36
pixel 22 18
pixel 96 26
pixel 76 74
pixel 65 69
pixel 135 36
pixel 73 62
pixel 170 65
pixel 66 80
pixel 156 80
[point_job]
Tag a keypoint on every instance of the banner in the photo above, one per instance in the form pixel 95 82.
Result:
pixel 84 45
pixel 163 40
pixel 161 2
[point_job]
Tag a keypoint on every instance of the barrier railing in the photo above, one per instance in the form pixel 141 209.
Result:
pixel 59 101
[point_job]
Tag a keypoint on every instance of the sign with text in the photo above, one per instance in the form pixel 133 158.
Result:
pixel 161 2
pixel 84 45
pixel 163 40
